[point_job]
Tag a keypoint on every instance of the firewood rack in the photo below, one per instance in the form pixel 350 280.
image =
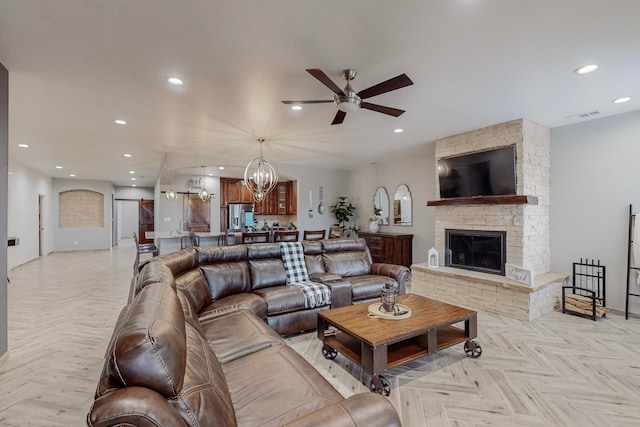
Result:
pixel 586 296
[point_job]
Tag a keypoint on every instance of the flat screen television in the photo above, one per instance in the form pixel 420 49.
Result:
pixel 485 173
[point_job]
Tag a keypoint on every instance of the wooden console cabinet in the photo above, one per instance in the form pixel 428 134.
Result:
pixel 391 248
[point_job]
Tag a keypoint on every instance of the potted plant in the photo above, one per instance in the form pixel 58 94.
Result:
pixel 344 210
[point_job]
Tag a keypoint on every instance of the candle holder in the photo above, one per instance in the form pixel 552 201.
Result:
pixel 389 298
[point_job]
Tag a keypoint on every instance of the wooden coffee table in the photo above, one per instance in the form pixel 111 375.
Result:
pixel 377 344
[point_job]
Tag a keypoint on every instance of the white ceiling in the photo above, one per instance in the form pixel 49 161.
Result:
pixel 76 66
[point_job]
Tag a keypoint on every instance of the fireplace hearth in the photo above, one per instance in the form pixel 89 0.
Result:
pixel 477 250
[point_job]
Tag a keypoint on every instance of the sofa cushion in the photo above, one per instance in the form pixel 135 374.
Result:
pixel 214 254
pixel 276 385
pixel 313 256
pixel 149 349
pixel 237 334
pixel 347 264
pixel 369 286
pixel 181 261
pixel 195 286
pixel 227 278
pixel 267 272
pixel 204 399
pixel 282 299
pixel 154 272
pixel 251 302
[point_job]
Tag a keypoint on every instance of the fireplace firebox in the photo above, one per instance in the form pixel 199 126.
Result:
pixel 478 250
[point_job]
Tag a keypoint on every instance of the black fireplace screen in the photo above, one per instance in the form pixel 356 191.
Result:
pixel 483 251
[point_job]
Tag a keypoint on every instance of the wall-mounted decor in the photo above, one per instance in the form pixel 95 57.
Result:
pixel 402 206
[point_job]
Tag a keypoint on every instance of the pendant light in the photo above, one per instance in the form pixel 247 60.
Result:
pixel 260 176
pixel 171 194
pixel 204 194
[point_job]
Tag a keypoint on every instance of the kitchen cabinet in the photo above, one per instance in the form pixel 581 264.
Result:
pixel 292 197
pixel 390 248
pixel 281 201
pixel 234 191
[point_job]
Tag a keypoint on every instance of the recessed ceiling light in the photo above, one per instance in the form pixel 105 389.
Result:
pixel 221 168
pixel 10 173
pixel 72 175
pixel 210 174
pixel 398 130
pixel 296 107
pixel 175 81
pixel 23 145
pixel 585 69
pixel 132 172
pixel 127 155
pixel 622 100
pixel 133 179
pixel 59 167
pixel 133 185
pixel 121 122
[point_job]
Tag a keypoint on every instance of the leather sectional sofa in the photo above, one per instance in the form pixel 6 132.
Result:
pixel 199 344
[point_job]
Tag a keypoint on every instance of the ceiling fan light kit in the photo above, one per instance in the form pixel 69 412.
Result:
pixel 348 100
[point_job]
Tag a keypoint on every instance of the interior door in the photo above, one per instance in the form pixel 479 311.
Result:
pixel 145 220
pixel 197 212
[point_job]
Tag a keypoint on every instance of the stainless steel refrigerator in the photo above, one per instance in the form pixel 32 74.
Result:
pixel 239 216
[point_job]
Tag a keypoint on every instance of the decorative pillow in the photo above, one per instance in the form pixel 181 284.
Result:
pixel 293 260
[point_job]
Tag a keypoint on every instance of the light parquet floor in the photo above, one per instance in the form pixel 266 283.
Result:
pixel 560 370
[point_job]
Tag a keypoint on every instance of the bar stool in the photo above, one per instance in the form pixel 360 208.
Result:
pixel 259 237
pixel 313 234
pixel 285 236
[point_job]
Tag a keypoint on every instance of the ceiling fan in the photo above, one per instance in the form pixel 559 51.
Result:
pixel 348 100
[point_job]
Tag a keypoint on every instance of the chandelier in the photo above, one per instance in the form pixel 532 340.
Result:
pixel 171 193
pixel 260 176
pixel 204 194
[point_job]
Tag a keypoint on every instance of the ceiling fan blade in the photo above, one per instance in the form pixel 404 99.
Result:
pixel 325 80
pixel 382 109
pixel 387 86
pixel 313 101
pixel 339 118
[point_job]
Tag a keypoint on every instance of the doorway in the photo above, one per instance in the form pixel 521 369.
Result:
pixel 145 220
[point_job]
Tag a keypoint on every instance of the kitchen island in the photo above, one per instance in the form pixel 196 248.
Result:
pixel 169 241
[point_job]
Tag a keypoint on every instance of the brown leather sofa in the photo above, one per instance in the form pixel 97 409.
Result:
pixel 219 279
pixel 192 348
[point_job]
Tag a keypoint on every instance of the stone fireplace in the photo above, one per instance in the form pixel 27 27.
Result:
pixel 470 278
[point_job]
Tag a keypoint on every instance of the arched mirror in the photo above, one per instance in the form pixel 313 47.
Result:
pixel 402 206
pixel 381 205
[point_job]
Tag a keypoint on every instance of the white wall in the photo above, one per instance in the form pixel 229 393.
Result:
pixel 595 175
pixel 417 171
pixel 127 218
pixel 82 238
pixel 25 187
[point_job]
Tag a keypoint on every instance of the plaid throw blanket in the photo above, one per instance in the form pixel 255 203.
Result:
pixel 315 294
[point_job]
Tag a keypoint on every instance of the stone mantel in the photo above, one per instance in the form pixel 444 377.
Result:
pixel 485 200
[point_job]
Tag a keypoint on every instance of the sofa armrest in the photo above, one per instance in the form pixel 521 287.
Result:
pixel 364 409
pixel 340 293
pixel 133 406
pixel 398 272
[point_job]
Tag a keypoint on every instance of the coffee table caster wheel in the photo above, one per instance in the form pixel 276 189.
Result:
pixel 385 390
pixel 328 352
pixel 472 349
